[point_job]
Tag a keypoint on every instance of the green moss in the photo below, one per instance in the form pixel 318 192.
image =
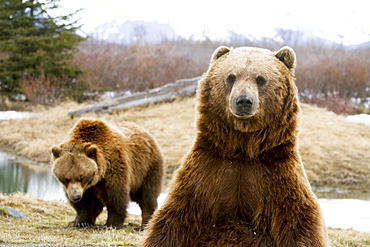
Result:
pixel 3 211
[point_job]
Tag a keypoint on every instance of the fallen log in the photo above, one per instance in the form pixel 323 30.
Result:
pixel 165 93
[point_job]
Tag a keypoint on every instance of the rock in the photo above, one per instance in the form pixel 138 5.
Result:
pixel 11 213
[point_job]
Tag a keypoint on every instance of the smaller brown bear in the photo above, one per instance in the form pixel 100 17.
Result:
pixel 107 165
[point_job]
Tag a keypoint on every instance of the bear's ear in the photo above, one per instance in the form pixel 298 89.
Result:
pixel 220 51
pixel 56 150
pixel 91 151
pixel 287 56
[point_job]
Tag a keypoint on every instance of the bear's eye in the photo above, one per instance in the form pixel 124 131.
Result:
pixel 81 178
pixel 231 79
pixel 260 80
pixel 64 180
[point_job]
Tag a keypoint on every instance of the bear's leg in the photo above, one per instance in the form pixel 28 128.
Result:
pixel 115 218
pixel 97 208
pixel 147 195
pixel 83 216
pixel 84 209
pixel 148 203
pixel 117 201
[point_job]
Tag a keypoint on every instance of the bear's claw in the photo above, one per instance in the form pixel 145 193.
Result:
pixel 82 224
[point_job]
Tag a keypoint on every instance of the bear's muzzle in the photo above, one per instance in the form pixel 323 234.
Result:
pixel 244 105
pixel 74 192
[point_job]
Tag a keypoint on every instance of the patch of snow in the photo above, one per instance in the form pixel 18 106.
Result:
pixel 133 208
pixel 8 115
pixel 346 213
pixel 360 118
pixel 115 94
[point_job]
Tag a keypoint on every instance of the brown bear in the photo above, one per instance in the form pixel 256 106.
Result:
pixel 107 165
pixel 243 182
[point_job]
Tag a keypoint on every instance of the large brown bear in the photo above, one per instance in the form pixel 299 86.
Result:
pixel 243 182
pixel 106 165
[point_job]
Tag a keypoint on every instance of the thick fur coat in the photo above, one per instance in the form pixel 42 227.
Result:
pixel 243 183
pixel 107 165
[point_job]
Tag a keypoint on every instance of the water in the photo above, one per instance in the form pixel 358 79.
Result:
pixel 341 208
pixel 27 177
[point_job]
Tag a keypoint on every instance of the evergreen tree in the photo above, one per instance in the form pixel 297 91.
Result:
pixel 34 44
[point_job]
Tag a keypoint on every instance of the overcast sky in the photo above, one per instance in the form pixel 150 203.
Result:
pixel 329 19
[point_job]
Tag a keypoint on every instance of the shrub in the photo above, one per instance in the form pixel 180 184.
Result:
pixel 336 77
pixel 50 90
pixel 137 67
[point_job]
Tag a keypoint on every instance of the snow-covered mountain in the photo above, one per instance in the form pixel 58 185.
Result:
pixel 134 32
pixel 152 33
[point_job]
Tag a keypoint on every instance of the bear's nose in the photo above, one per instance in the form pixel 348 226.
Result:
pixel 76 198
pixel 243 102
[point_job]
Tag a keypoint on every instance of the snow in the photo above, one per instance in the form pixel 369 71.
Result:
pixel 133 208
pixel 346 213
pixel 8 115
pixel 338 213
pixel 360 118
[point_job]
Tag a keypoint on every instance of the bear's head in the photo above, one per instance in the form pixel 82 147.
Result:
pixel 77 166
pixel 250 88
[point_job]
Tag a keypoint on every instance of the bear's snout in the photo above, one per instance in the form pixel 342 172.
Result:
pixel 243 99
pixel 74 192
pixel 76 198
pixel 244 104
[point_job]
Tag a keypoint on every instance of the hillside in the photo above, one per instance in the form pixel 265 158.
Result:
pixel 334 150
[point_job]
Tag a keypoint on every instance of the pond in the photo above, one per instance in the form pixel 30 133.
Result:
pixel 341 208
pixel 21 175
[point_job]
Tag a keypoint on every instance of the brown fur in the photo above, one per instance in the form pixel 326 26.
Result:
pixel 106 165
pixel 243 183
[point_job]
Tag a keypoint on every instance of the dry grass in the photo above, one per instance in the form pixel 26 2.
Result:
pixel 47 224
pixel 348 238
pixel 335 153
pixel 33 137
